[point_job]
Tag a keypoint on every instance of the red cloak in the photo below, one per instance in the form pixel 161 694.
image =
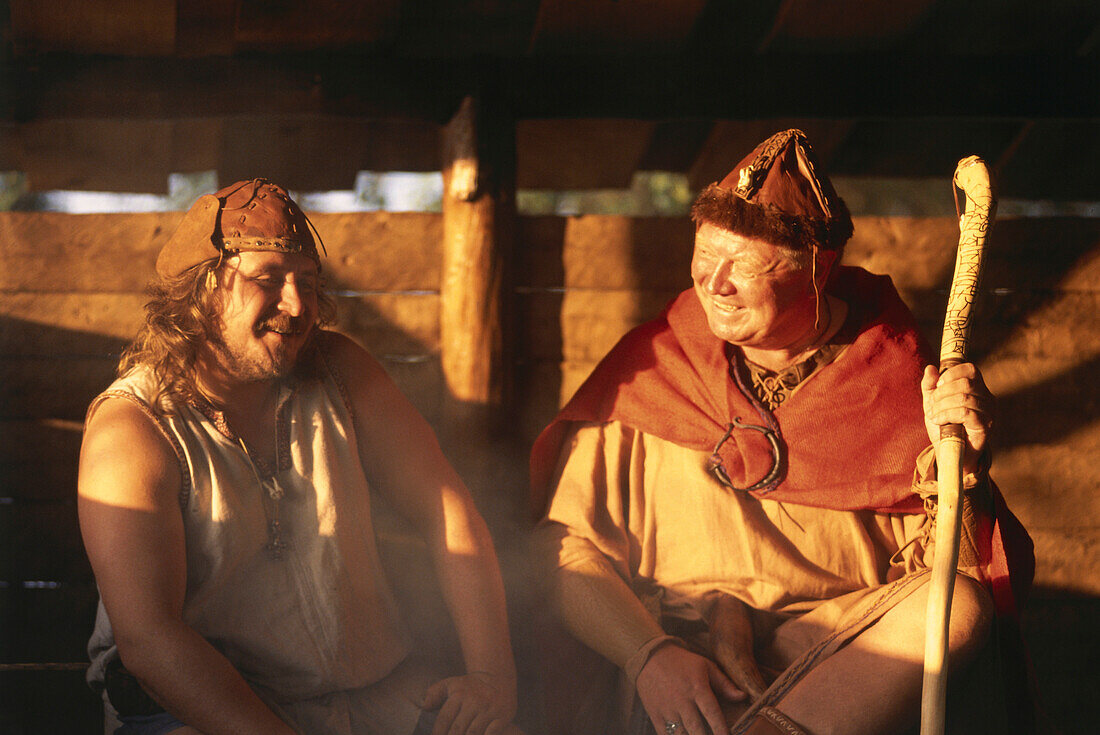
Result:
pixel 851 433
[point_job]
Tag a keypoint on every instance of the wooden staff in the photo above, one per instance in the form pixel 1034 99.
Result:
pixel 972 177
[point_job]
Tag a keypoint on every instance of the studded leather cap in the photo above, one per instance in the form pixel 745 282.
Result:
pixel 247 215
pixel 778 193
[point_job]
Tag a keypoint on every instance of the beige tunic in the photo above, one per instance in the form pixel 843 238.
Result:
pixel 675 535
pixel 312 632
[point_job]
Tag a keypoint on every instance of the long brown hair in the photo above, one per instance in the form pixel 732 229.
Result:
pixel 181 316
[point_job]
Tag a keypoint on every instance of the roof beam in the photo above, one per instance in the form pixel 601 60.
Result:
pixel 866 85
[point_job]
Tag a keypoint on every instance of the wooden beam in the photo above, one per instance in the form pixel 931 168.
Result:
pixel 614 26
pixel 205 27
pixel 843 25
pixel 313 24
pixel 376 252
pixel 580 154
pixel 675 144
pixel 741 86
pixel 134 28
pixel 306 152
pixel 323 152
pixel 70 87
pixel 671 87
pixel 478 218
pixel 97 155
pixel 449 29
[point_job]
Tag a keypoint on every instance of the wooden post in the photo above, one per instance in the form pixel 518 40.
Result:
pixel 478 222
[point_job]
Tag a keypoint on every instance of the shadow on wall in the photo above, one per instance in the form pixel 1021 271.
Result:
pixel 48 375
pixel 582 282
pixel 1064 645
pixel 1036 328
pixel 1036 336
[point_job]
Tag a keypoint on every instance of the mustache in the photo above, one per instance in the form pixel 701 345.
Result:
pixel 286 324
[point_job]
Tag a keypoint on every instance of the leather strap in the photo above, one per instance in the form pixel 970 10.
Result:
pixel 770 721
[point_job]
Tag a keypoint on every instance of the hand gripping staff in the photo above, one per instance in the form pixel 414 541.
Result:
pixel 972 177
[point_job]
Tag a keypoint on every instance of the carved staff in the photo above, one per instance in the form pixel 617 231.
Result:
pixel 972 177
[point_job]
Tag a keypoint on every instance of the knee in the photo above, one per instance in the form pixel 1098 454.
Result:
pixel 971 617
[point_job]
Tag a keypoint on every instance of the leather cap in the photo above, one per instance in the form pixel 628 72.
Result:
pixel 778 193
pixel 248 215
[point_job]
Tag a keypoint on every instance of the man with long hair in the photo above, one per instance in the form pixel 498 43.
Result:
pixel 224 499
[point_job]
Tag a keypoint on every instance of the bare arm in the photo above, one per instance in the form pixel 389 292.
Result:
pixel 133 531
pixel 402 458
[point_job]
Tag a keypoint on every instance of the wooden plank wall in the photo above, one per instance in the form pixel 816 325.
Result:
pixel 71 295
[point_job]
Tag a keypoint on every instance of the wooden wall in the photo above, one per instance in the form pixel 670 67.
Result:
pixel 71 295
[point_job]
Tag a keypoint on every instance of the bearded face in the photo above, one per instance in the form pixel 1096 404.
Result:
pixel 267 307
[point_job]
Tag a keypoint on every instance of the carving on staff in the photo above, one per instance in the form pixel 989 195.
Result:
pixel 972 177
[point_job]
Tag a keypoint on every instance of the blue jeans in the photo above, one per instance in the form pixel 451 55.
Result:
pixel 157 724
pixel 162 723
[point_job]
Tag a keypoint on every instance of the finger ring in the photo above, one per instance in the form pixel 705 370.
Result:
pixel 671 727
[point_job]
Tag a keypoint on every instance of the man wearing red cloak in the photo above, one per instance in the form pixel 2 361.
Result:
pixel 736 507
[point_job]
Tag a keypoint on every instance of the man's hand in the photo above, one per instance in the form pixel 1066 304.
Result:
pixel 471 704
pixel 731 644
pixel 959 396
pixel 676 685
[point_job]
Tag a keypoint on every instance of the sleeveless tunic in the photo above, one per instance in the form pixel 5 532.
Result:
pixel 323 618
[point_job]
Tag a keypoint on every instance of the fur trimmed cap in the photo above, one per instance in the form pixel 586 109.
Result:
pixel 777 195
pixel 248 215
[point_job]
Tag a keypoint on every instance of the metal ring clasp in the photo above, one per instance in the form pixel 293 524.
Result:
pixel 714 462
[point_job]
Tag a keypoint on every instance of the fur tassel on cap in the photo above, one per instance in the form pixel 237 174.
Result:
pixel 247 215
pixel 776 194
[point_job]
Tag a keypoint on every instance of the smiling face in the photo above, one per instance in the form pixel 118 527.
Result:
pixel 754 294
pixel 267 308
